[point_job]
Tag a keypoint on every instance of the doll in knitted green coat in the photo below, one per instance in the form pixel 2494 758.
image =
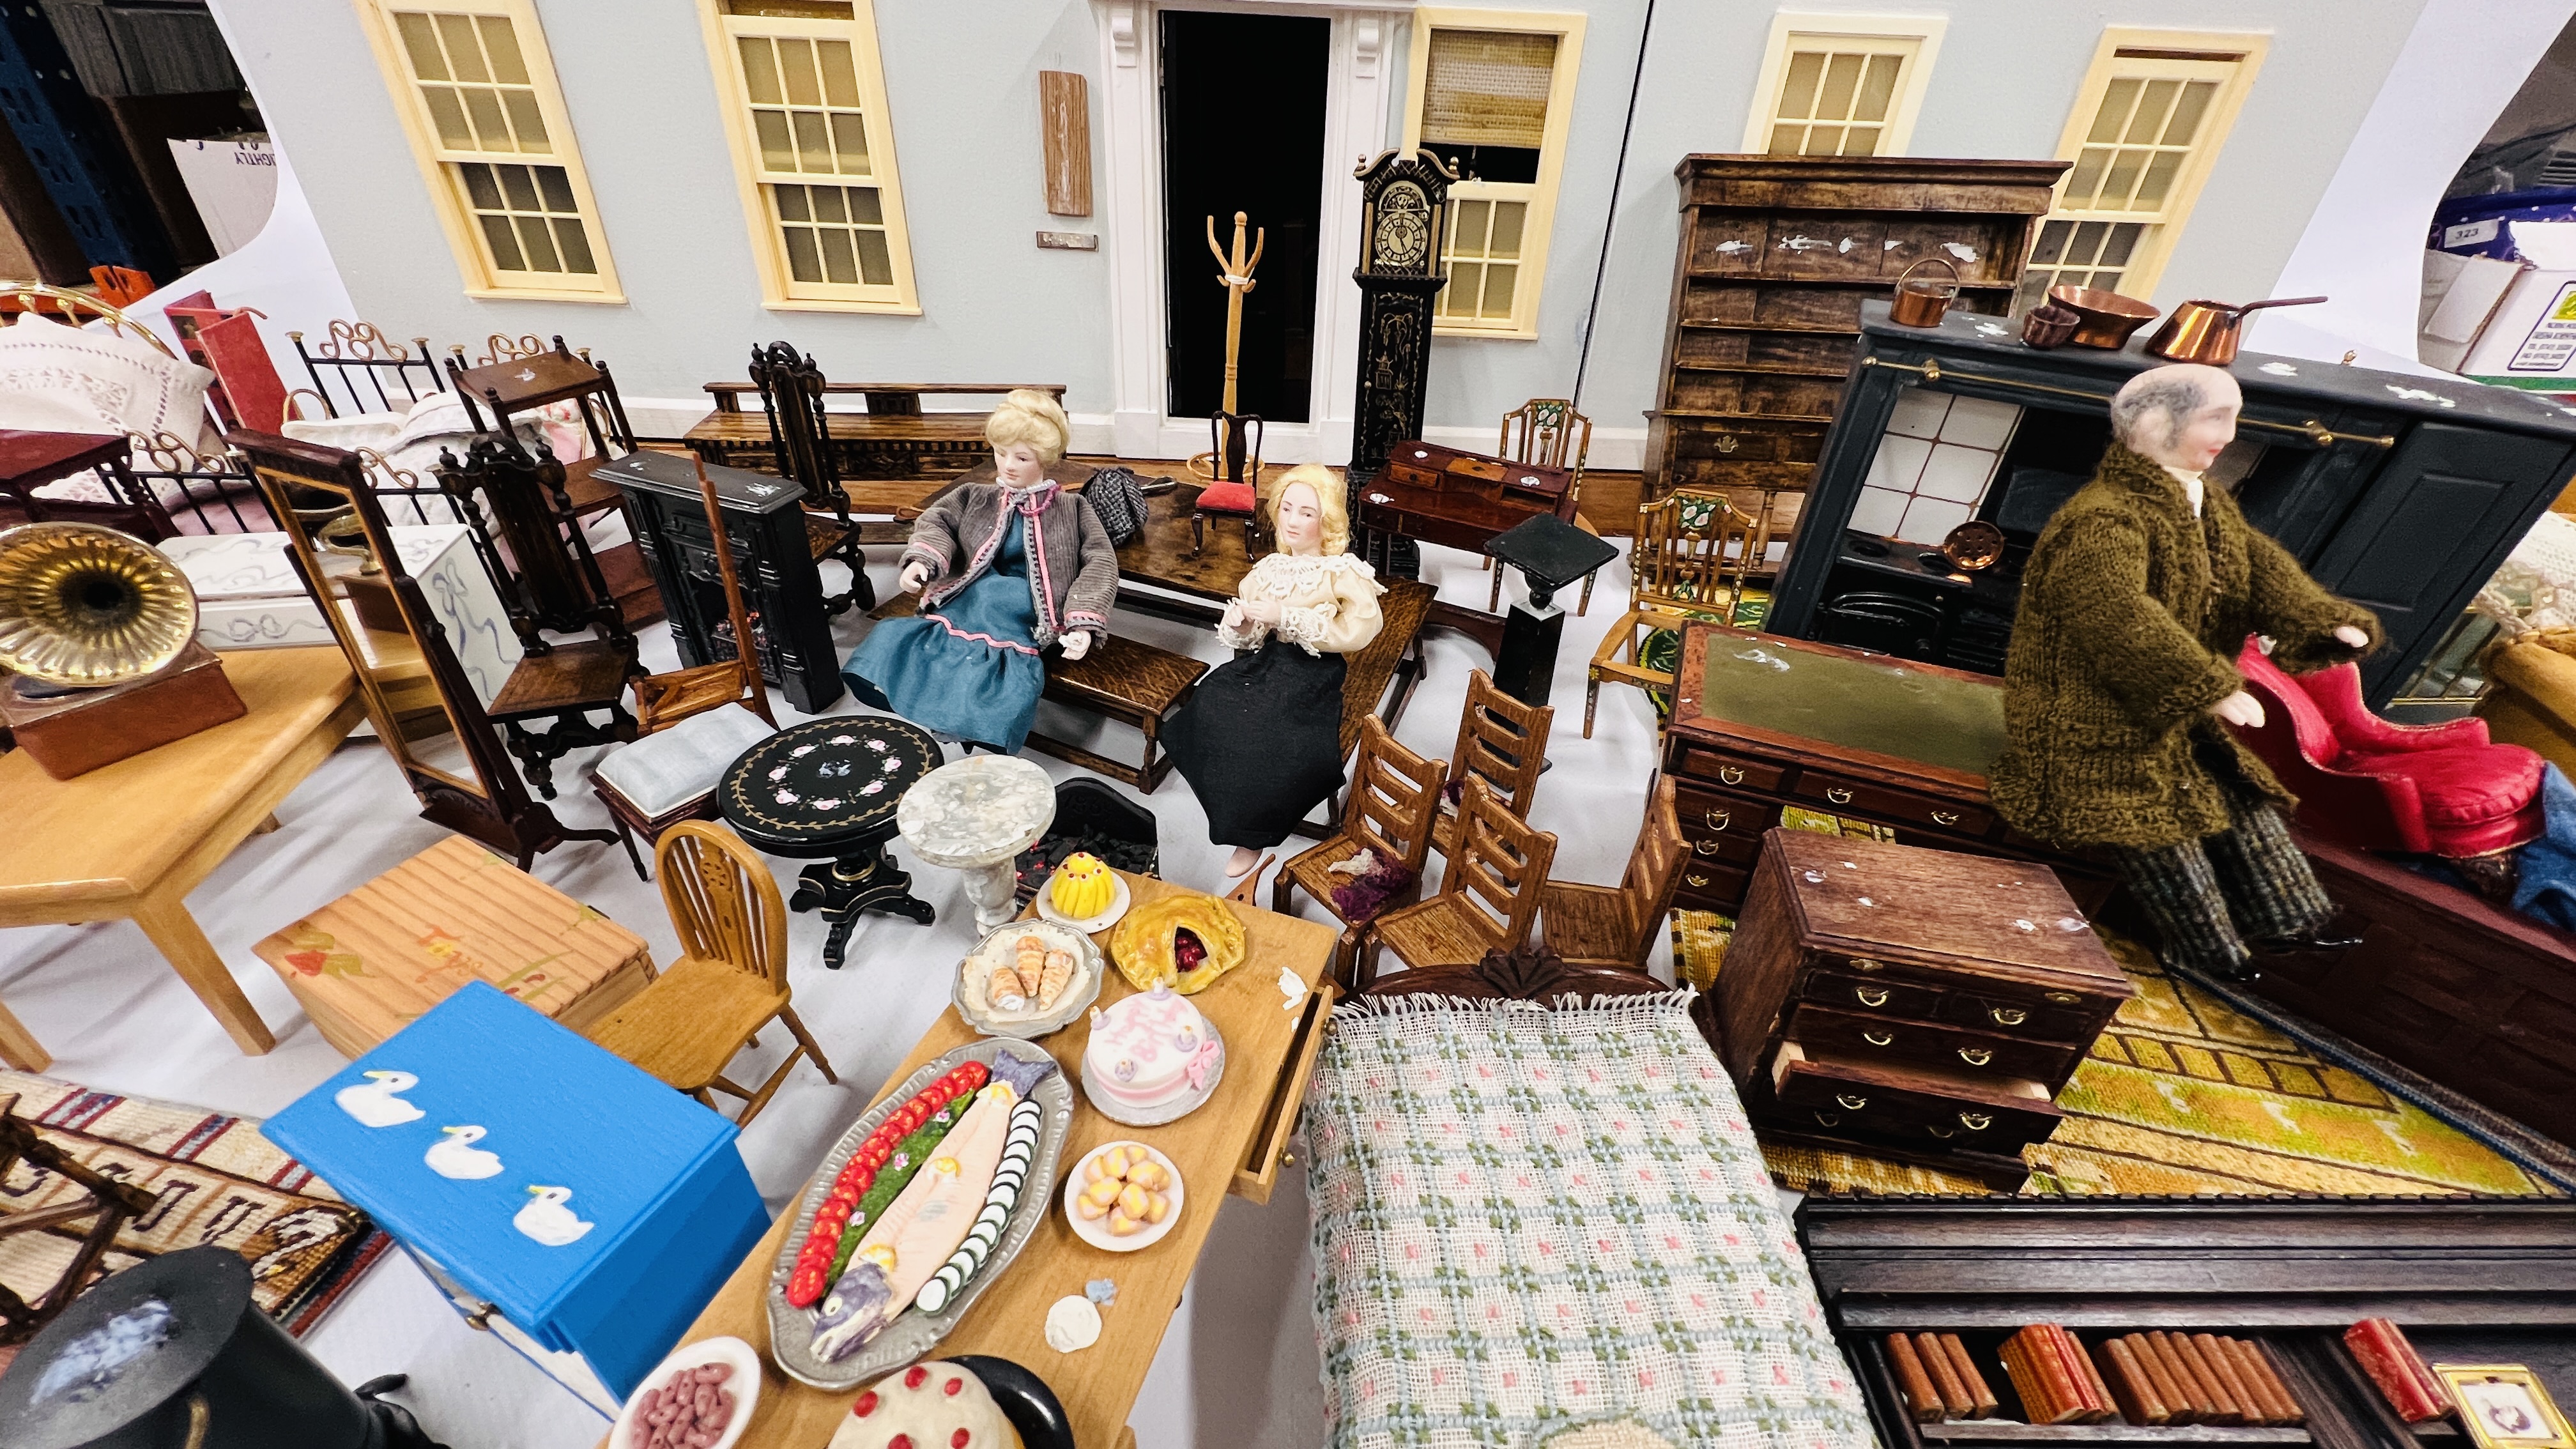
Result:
pixel 2122 680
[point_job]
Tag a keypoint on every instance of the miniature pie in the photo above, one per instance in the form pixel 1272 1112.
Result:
pixel 930 1405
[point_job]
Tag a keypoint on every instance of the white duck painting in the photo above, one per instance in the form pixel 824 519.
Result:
pixel 456 1156
pixel 547 1220
pixel 378 1103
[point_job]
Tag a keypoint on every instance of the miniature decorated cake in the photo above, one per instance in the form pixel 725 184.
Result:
pixel 927 1406
pixel 1083 887
pixel 1150 1052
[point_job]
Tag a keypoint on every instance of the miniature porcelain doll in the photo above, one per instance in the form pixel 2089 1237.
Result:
pixel 1004 569
pixel 2121 682
pixel 1260 741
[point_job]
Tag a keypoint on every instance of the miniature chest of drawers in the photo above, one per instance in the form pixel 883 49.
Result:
pixel 1919 1003
pixel 1762 724
pixel 587 1222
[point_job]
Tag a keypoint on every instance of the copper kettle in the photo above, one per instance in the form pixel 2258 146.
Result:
pixel 2209 331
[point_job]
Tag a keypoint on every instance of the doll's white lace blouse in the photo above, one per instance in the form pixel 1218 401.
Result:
pixel 1327 603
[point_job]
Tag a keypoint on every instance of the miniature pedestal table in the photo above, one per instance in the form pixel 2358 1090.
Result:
pixel 1232 1142
pixel 976 816
pixel 826 791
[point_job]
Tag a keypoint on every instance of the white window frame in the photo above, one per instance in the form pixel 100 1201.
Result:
pixel 2242 52
pixel 1918 35
pixel 474 263
pixel 780 291
pixel 1539 221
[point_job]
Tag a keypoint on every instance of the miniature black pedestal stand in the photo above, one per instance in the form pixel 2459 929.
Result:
pixel 1550 553
pixel 827 788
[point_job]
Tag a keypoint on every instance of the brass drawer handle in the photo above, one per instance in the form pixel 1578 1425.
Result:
pixel 1838 794
pixel 1732 775
pixel 2062 998
pixel 1697 880
pixel 1870 996
pixel 1976 1056
pixel 1863 963
pixel 1718 819
pixel 1828 1119
pixel 1975 1121
pixel 2008 1015
pixel 1945 817
pixel 1879 1038
pixel 1707 847
pixel 1850 1102
pixel 1940 1131
pixel 1726 443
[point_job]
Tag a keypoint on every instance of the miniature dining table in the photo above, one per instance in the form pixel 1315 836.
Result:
pixel 1237 1138
pixel 131 839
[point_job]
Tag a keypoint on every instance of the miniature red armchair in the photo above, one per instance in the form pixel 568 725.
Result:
pixel 2365 783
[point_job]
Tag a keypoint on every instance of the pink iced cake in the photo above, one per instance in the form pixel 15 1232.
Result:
pixel 1149 1052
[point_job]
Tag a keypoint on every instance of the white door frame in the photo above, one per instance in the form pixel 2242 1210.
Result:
pixel 1358 97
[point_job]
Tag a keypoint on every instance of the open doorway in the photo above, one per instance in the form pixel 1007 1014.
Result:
pixel 1243 130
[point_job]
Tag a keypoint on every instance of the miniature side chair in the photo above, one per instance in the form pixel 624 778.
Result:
pixel 1394 798
pixel 730 980
pixel 1501 741
pixel 663 700
pixel 1593 925
pixel 1693 555
pixel 1548 431
pixel 1489 896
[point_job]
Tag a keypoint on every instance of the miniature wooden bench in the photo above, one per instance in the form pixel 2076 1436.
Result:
pixel 1127 680
pixel 894 438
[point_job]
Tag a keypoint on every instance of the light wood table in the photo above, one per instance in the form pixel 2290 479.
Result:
pixel 1234 1140
pixel 133 838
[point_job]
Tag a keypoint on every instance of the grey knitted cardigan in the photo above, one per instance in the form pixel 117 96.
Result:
pixel 1073 568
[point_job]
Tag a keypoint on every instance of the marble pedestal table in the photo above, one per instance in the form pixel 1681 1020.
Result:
pixel 826 791
pixel 976 816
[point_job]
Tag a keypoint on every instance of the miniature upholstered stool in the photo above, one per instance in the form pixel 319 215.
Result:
pixel 374 960
pixel 564 1201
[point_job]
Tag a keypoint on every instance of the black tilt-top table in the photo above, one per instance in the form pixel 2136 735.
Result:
pixel 826 791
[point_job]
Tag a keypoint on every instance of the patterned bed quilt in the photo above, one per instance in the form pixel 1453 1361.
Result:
pixel 1527 1221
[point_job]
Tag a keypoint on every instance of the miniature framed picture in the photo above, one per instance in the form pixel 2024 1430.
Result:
pixel 2504 1407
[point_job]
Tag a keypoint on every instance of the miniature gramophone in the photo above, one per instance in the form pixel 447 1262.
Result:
pixel 99 656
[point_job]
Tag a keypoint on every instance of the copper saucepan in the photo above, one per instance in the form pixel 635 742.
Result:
pixel 2209 331
pixel 2102 319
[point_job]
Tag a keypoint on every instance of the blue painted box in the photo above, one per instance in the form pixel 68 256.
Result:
pixel 571 1136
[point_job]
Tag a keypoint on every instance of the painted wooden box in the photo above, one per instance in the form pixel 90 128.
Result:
pixel 588 1220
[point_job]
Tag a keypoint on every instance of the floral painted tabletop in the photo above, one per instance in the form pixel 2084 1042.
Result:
pixel 818 787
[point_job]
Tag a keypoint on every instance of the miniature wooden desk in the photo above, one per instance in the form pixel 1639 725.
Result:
pixel 1237 1137
pixel 131 839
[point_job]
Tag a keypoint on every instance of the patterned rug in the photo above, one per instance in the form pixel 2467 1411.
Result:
pixel 2187 1094
pixel 215 1180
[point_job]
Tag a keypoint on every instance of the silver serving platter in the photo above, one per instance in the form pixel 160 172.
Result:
pixel 1095 965
pixel 913 1334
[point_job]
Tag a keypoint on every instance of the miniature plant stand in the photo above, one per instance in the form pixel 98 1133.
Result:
pixel 975 817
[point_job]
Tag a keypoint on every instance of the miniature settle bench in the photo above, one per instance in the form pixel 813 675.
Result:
pixel 894 438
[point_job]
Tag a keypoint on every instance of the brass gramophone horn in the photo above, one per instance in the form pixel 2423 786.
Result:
pixel 83 606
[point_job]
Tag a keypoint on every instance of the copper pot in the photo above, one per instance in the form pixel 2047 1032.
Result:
pixel 2105 318
pixel 2209 331
pixel 1920 304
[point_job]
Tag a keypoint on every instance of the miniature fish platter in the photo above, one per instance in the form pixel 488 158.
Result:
pixel 1096 1230
pixel 914 1332
pixel 743 1383
pixel 969 991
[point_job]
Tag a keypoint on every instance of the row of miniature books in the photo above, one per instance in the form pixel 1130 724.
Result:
pixel 2154 1378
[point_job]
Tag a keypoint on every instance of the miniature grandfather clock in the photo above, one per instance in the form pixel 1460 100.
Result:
pixel 1403 211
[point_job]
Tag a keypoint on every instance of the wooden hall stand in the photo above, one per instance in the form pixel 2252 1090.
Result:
pixel 131 839
pixel 1237 1136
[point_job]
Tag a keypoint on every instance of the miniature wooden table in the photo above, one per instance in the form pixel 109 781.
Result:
pixel 131 839
pixel 1236 1139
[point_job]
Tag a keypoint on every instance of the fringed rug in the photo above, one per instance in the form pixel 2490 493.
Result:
pixel 215 1180
pixel 2186 1094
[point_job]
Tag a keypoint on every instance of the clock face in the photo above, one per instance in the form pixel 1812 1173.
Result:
pixel 1403 239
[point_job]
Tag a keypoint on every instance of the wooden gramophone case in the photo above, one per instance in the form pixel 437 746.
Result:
pixel 76 733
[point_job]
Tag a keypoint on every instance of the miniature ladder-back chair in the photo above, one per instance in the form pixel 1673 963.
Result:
pixel 1502 742
pixel 730 980
pixel 1395 797
pixel 1548 432
pixel 1590 925
pixel 1489 895
pixel 1693 554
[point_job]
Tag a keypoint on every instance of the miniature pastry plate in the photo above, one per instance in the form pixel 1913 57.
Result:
pixel 628 1431
pixel 913 1334
pixel 1118 904
pixel 966 989
pixel 1095 1231
pixel 1171 1112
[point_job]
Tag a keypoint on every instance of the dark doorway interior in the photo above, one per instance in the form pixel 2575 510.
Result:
pixel 1243 130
